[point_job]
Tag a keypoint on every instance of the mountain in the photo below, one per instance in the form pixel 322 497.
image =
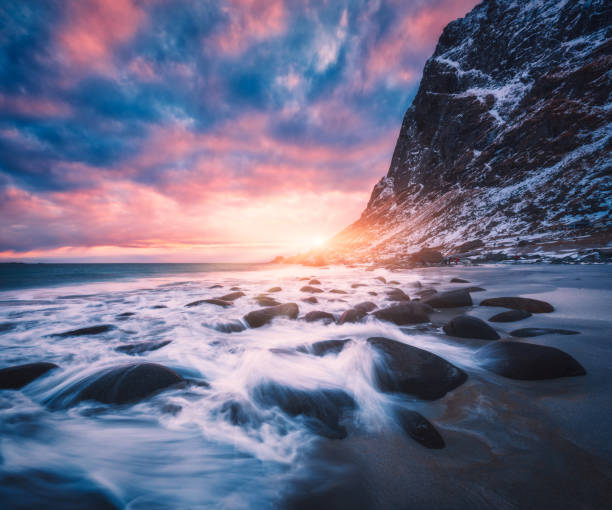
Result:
pixel 508 138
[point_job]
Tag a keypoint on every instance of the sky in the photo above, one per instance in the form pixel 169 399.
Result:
pixel 188 131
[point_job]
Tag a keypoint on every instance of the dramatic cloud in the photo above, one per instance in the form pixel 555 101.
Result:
pixel 199 130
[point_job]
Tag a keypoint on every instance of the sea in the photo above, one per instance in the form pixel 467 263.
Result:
pixel 211 444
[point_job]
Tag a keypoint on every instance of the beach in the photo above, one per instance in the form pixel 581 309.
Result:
pixel 231 434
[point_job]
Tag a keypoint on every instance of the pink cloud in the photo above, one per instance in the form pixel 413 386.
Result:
pixel 413 36
pixel 33 106
pixel 93 28
pixel 249 21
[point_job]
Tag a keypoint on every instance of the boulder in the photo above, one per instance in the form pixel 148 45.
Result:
pixel 266 301
pixel 393 282
pixel 323 410
pixel 314 281
pixel 530 332
pixel 274 289
pixel 450 299
pixel 351 315
pixel 338 291
pixel 380 279
pixel 465 326
pixel 328 347
pixel 405 313
pixel 510 316
pixel 90 330
pixel 427 256
pixel 124 315
pixel 258 318
pixel 312 300
pixel 372 293
pixel 518 360
pixel 311 289
pixel 18 376
pixel 141 347
pixel 212 301
pixel 63 489
pixel 459 280
pixel 357 285
pixel 365 306
pixel 235 288
pixel 241 414
pixel 319 315
pixel 119 385
pixel 217 286
pixel 232 296
pixel 413 371
pixel 419 428
pixel 520 303
pixel 397 295
pixel 234 326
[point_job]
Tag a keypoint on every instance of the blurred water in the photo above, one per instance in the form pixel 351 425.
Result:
pixel 178 449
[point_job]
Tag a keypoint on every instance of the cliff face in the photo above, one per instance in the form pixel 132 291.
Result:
pixel 509 135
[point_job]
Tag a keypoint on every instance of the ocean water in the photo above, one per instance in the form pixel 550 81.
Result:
pixel 185 448
pixel 23 276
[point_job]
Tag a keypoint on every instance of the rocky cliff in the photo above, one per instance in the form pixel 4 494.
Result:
pixel 508 137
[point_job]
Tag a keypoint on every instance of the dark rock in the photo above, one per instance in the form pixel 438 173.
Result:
pixel 241 414
pixel 510 316
pixel 34 488
pixel 217 286
pixel 397 295
pixel 519 303
pixel 158 307
pixel 232 296
pixel 427 256
pixel 312 290
pixel 530 332
pixel 13 378
pixel 425 293
pixel 380 279
pixel 234 326
pixel 275 289
pixel 258 318
pixel 518 360
pixel 314 281
pixel 125 315
pixel 419 428
pixel 266 301
pixel 312 300
pixel 450 299
pixel 141 347
pixel 235 288
pixel 90 330
pixel 474 289
pixel 212 301
pixel 338 291
pixel 323 410
pixel 393 282
pixel 319 315
pixel 357 285
pixel 405 313
pixel 372 293
pixel 328 346
pixel 119 385
pixel 413 371
pixel 351 315
pixel 465 326
pixel 7 326
pixel 459 280
pixel 365 306
pixel 469 246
